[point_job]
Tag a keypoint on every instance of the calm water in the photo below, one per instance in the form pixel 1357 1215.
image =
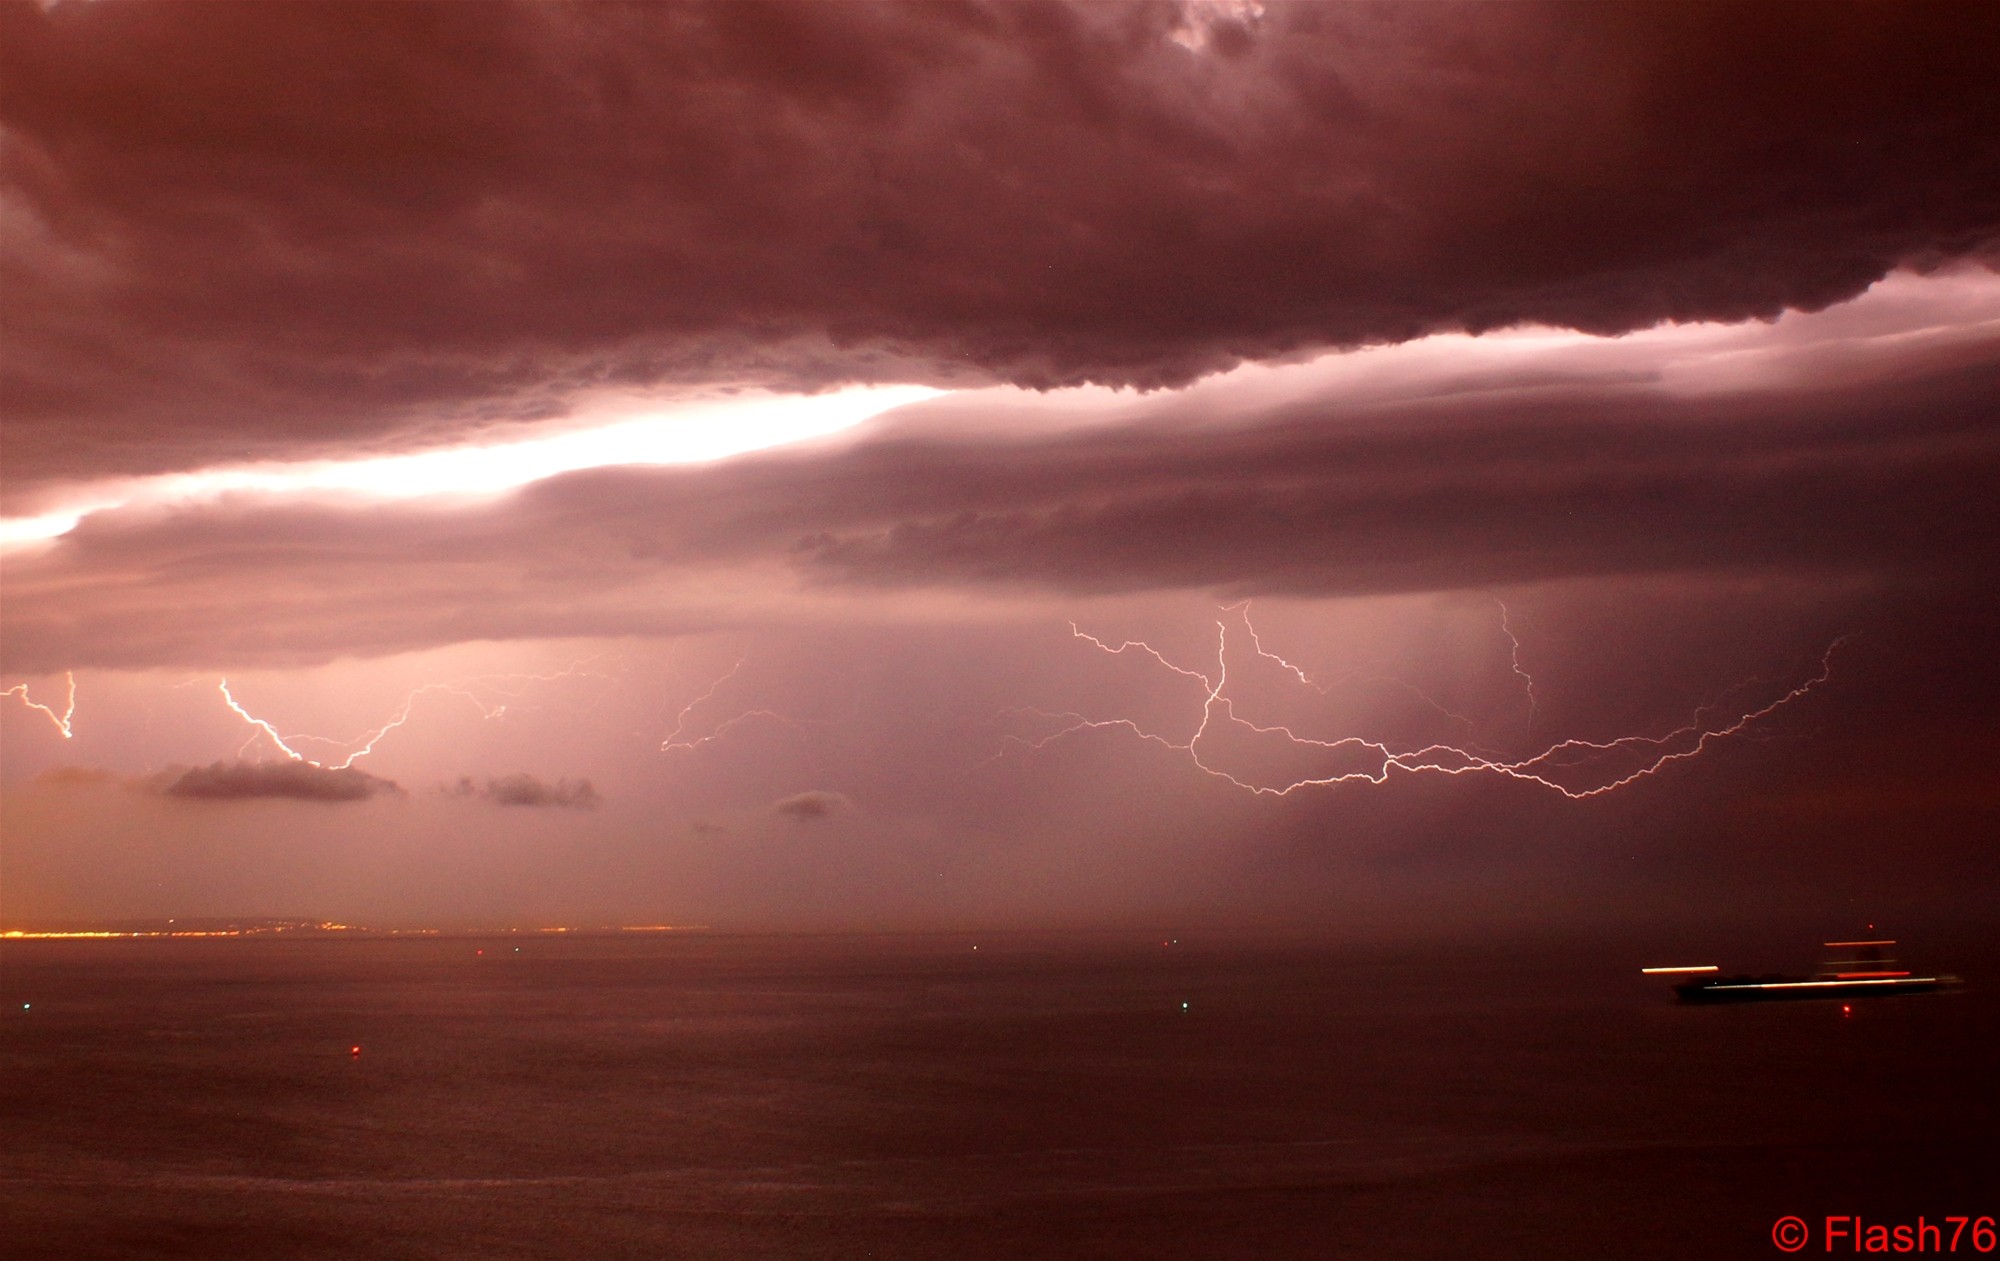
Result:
pixel 752 1097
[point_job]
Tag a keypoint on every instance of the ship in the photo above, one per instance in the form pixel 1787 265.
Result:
pixel 1867 972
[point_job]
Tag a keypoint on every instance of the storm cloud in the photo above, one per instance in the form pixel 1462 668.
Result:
pixel 245 230
pixel 523 789
pixel 291 781
pixel 1562 382
pixel 809 807
pixel 1864 445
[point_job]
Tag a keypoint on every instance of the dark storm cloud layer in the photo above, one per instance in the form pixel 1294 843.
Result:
pixel 247 229
pixel 292 781
pixel 1889 476
pixel 1469 493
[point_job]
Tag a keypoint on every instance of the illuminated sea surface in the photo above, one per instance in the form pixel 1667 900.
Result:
pixel 720 1096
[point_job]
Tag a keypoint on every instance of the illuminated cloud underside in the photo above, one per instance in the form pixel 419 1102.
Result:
pixel 1903 315
pixel 1555 392
pixel 685 434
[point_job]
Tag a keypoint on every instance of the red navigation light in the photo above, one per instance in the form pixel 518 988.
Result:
pixel 355 1050
pixel 1846 1010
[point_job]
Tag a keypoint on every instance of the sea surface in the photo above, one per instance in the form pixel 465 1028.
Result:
pixel 1018 1096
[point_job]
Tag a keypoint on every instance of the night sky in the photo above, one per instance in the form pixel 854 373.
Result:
pixel 1348 467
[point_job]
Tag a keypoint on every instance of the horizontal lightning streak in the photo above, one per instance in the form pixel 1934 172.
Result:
pixel 674 746
pixel 1145 648
pixel 674 742
pixel 362 746
pixel 1381 760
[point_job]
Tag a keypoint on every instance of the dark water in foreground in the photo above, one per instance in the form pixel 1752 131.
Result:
pixel 775 1097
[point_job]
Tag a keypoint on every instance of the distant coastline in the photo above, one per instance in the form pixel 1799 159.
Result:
pixel 272 927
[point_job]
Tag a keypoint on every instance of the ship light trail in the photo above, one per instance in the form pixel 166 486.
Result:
pixel 1576 768
pixel 60 721
pixel 1680 969
pixel 1822 985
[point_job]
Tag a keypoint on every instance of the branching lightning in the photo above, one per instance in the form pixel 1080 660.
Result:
pixel 476 691
pixel 61 721
pixel 1242 609
pixel 673 740
pixel 675 743
pixel 268 731
pixel 1576 768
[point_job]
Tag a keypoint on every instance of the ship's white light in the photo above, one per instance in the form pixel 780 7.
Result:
pixel 1820 985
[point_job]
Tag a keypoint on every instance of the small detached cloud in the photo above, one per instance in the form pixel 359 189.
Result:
pixel 808 807
pixel 523 789
pixel 293 781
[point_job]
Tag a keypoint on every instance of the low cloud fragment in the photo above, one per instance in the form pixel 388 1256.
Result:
pixel 523 789
pixel 292 781
pixel 810 807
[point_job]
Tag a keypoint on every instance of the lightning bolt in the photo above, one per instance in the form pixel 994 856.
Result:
pixel 1146 648
pixel 673 740
pixel 466 689
pixel 1242 609
pixel 269 732
pixel 365 745
pixel 1514 659
pixel 1373 761
pixel 1257 645
pixel 674 743
pixel 61 721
